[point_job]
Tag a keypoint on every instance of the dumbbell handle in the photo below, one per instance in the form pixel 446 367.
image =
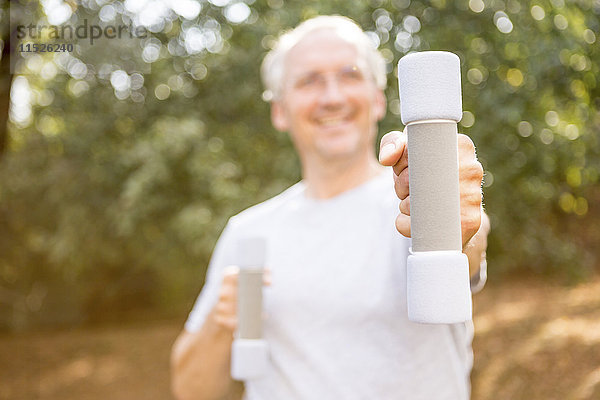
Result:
pixel 433 182
pixel 249 306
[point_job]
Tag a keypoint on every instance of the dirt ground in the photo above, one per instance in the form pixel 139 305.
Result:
pixel 533 340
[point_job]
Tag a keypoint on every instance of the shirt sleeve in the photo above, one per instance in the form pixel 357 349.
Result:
pixel 222 257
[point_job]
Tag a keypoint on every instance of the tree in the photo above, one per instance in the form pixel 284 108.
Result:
pixel 137 152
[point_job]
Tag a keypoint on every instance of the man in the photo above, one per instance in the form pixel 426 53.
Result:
pixel 335 302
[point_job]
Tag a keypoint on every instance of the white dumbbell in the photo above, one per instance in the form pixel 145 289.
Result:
pixel 249 352
pixel 438 272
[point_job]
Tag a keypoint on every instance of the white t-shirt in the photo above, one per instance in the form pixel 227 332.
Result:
pixel 336 319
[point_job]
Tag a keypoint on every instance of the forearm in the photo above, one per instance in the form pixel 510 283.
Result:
pixel 476 247
pixel 200 364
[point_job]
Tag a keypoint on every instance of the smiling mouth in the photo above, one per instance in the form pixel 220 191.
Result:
pixel 329 122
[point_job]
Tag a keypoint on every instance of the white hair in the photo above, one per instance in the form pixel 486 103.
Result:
pixel 272 69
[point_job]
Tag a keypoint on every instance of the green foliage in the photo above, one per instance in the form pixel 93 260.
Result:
pixel 111 198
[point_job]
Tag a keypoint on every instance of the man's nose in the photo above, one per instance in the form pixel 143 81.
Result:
pixel 333 93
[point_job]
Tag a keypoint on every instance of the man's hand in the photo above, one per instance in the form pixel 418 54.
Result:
pixel 394 152
pixel 200 361
pixel 225 311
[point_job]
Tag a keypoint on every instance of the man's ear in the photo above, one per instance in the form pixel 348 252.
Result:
pixel 278 117
pixel 380 105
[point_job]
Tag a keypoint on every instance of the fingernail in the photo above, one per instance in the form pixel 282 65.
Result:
pixel 386 151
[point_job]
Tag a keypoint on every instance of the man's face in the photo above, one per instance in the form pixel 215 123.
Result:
pixel 329 102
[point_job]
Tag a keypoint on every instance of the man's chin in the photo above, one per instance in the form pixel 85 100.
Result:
pixel 338 150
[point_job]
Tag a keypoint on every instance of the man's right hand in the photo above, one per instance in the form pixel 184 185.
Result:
pixel 225 311
pixel 200 360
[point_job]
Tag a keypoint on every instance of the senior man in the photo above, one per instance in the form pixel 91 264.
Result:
pixel 335 300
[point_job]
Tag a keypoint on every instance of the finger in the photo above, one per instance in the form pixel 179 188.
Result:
pixel 228 294
pixel 405 206
pixel 230 276
pixel 392 147
pixel 403 224
pixel 471 173
pixel 227 322
pixel 267 277
pixel 470 221
pixel 471 197
pixel 401 184
pixel 402 164
pixel 471 176
pixel 226 308
pixel 228 290
pixel 231 271
pixel 466 148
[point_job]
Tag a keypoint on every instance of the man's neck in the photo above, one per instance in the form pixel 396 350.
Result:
pixel 327 180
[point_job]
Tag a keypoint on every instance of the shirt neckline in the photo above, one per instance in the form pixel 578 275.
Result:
pixel 345 194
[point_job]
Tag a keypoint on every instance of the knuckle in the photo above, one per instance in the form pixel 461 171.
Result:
pixel 221 309
pixel 405 206
pixel 398 167
pixel 403 177
pixel 389 137
pixel 230 277
pixel 465 142
pixel 401 185
pixel 231 271
pixel 227 322
pixel 471 221
pixel 400 191
pixel 229 283
pixel 403 224
pixel 473 171
pixel 470 202
pixel 227 294
pixel 478 170
pixel 226 309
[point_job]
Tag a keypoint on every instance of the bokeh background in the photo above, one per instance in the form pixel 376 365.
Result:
pixel 121 162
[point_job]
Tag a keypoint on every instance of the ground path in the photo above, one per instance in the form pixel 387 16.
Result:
pixel 534 340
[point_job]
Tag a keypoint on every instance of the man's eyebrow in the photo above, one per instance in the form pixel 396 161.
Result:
pixel 353 67
pixel 303 75
pixel 308 72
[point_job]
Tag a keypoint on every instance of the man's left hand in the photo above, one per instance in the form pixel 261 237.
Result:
pixel 394 152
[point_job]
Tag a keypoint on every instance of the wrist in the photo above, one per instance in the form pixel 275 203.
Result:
pixel 479 279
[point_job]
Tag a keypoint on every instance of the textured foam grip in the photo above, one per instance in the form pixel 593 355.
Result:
pixel 251 253
pixel 434 188
pixel 249 306
pixel 429 84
